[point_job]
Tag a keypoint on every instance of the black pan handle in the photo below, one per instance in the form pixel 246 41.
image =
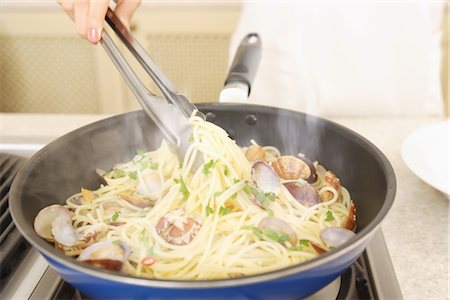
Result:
pixel 246 61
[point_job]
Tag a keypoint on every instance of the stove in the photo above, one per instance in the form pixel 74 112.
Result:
pixel 26 275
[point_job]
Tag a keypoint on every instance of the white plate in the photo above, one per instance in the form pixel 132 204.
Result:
pixel 426 153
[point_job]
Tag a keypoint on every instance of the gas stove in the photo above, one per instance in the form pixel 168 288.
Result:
pixel 26 275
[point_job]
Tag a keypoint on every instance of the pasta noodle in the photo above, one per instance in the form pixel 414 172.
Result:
pixel 178 222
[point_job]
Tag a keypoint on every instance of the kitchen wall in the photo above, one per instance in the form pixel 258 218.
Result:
pixel 45 67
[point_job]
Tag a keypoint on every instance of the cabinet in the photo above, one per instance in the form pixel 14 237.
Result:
pixel 45 67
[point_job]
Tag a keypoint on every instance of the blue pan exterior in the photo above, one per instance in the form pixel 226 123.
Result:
pixel 296 286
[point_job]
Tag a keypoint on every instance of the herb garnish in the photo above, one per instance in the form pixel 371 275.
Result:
pixel 304 243
pixel 329 216
pixel 226 172
pixel 191 138
pixel 208 166
pixel 183 188
pixel 261 197
pixel 296 248
pixel 115 216
pixel 276 236
pixel 118 173
pixel 224 211
pixel 133 175
pixel 154 166
pixel 209 210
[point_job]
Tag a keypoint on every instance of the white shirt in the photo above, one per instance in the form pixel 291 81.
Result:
pixel 347 58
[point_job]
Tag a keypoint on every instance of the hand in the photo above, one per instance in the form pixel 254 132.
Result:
pixel 89 15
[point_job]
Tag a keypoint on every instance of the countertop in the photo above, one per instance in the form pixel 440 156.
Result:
pixel 416 229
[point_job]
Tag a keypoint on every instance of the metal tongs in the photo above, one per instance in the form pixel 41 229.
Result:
pixel 171 115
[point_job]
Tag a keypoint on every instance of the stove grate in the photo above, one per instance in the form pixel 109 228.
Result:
pixel 13 247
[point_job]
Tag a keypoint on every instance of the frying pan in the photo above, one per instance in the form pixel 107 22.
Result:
pixel 68 163
pixel 64 166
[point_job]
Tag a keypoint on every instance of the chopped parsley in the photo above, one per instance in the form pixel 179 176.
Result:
pixel 261 197
pixel 183 188
pixel 209 211
pixel 270 212
pixel 296 248
pixel 224 211
pixel 144 164
pixel 264 198
pixel 154 166
pixel 236 180
pixel 139 151
pixel 208 166
pixel 274 235
pixel 304 243
pixel 217 194
pixel 133 175
pixel 226 172
pixel 329 216
pixel 116 242
pixel 248 189
pixel 115 216
pixel 191 138
pixel 118 173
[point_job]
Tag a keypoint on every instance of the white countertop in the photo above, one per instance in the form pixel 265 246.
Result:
pixel 416 229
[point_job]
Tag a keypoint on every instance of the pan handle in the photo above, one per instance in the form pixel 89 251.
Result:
pixel 245 64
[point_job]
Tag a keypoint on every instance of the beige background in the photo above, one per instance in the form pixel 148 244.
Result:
pixel 46 68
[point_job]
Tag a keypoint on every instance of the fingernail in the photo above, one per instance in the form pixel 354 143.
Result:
pixel 93 36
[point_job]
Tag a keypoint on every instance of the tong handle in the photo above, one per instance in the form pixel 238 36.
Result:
pixel 162 81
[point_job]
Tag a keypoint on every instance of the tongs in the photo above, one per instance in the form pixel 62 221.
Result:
pixel 169 114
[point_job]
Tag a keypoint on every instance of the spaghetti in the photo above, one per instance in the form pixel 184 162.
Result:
pixel 177 222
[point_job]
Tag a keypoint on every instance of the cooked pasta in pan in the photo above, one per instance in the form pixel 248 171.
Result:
pixel 243 211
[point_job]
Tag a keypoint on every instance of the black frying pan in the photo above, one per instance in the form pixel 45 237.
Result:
pixel 65 165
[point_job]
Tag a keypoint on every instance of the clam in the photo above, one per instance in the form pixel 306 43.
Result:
pixel 110 207
pixel 265 178
pixel 137 201
pixel 331 180
pixel 106 255
pixel 335 236
pixel 254 153
pixel 350 222
pixel 293 168
pixel 149 185
pixel 54 223
pixel 278 225
pixel 319 249
pixel 303 193
pixel 76 199
pixel 176 228
pixel 100 172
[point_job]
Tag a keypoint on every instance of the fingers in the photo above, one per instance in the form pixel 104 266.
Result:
pixel 125 10
pixel 89 15
pixel 68 7
pixel 81 9
pixel 97 12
